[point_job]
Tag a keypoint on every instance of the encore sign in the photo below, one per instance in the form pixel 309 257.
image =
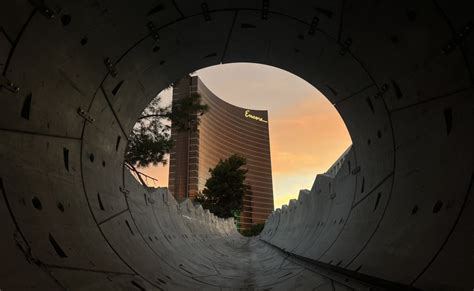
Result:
pixel 254 117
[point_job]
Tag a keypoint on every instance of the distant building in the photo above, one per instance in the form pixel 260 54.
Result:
pixel 224 130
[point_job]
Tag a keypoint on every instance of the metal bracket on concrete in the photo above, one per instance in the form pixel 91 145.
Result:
pixel 85 115
pixel 110 67
pixel 153 30
pixel 355 170
pixel 124 191
pixel 205 11
pixel 313 25
pixel 345 46
pixel 7 84
pixel 42 8
pixel 265 7
pixel 382 91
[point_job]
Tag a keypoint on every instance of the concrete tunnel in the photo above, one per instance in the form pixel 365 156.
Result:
pixel 397 215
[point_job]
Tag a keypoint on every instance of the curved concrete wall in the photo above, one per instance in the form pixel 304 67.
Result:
pixel 76 74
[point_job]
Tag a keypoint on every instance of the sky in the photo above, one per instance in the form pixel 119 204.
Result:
pixel 307 134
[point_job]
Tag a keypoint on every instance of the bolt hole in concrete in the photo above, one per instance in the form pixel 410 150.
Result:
pixel 437 207
pixel 117 143
pixel 99 199
pixel 60 206
pixel 66 19
pixel 66 158
pixel 25 111
pixel 84 41
pixel 36 203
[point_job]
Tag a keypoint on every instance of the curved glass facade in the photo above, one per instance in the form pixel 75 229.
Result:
pixel 223 131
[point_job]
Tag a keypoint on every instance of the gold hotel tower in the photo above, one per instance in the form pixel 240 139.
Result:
pixel 224 130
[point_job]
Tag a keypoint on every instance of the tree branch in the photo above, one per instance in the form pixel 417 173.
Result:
pixel 137 172
pixel 153 115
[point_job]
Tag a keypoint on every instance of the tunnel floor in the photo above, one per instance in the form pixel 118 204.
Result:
pixel 248 264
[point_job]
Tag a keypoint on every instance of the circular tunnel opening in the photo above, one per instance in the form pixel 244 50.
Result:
pixel 305 132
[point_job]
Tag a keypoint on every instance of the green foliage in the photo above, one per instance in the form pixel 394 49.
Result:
pixel 150 139
pixel 225 189
pixel 186 112
pixel 236 215
pixel 256 229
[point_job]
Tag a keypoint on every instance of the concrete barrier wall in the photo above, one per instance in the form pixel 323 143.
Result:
pixel 72 85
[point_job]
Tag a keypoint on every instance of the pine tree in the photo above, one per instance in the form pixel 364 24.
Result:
pixel 150 139
pixel 225 189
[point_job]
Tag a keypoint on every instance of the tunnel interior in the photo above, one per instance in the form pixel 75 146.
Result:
pixel 76 74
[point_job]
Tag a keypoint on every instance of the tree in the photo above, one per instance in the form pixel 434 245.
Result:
pixel 150 139
pixel 225 189
pixel 254 230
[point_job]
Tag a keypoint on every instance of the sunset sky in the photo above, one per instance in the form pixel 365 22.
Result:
pixel 306 132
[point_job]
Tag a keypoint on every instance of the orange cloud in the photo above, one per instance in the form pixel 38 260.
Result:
pixel 308 136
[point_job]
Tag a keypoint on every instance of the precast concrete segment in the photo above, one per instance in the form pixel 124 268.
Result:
pixel 76 74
